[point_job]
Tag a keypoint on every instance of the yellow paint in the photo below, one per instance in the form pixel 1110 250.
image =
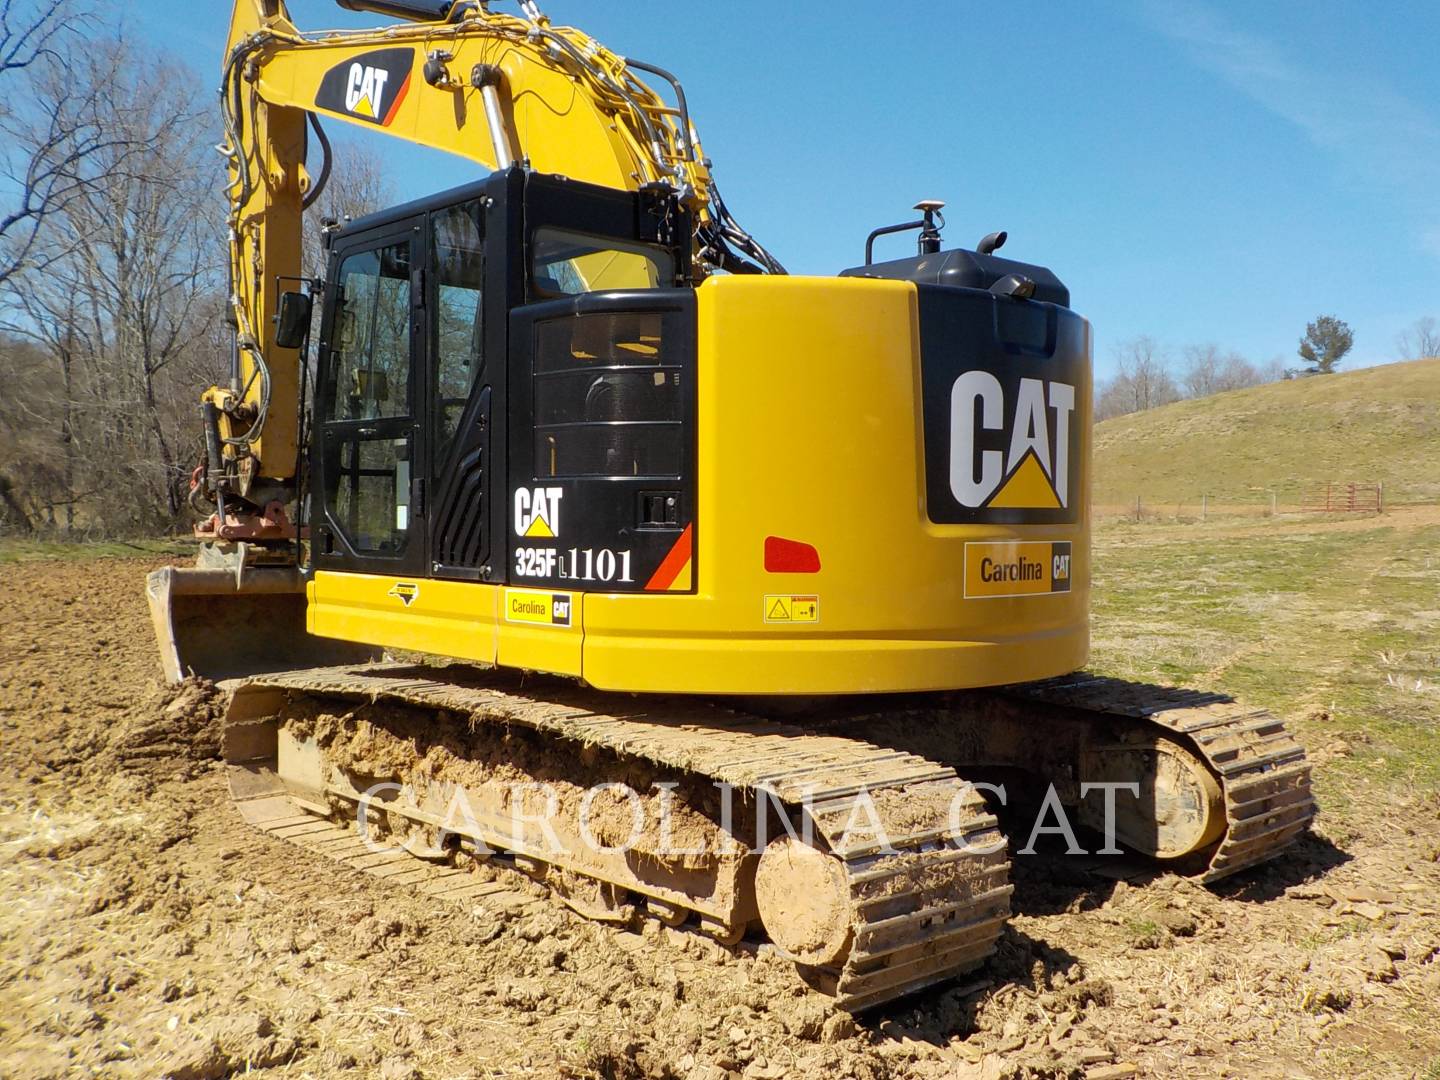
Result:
pixel 1028 487
pixel 837 362
pixel 684 580
pixel 447 618
pixel 466 620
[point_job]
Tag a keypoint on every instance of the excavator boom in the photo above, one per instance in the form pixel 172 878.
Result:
pixel 495 89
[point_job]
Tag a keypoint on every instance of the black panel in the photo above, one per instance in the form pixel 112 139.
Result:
pixel 602 449
pixel 990 363
pixel 469 516
pixel 653 218
pixel 967 270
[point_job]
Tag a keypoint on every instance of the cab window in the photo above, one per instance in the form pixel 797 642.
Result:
pixel 566 263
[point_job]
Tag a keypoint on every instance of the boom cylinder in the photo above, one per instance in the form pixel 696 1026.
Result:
pixel 411 10
pixel 487 78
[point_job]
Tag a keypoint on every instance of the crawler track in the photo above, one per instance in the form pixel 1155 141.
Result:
pixel 1263 774
pixel 925 871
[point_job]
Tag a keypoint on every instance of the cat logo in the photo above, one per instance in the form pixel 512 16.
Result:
pixel 370 87
pixel 407 592
pixel 537 512
pixel 1029 469
pixel 539 608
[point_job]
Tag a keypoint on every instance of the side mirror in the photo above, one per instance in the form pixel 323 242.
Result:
pixel 292 321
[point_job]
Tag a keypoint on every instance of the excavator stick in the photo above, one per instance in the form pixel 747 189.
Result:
pixel 220 624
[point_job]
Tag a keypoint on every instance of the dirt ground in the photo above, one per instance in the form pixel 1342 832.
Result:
pixel 147 932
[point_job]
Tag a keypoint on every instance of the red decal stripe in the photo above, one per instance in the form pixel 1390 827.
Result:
pixel 670 566
pixel 395 105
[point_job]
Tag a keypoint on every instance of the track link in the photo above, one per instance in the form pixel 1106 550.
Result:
pixel 925 865
pixel 1262 771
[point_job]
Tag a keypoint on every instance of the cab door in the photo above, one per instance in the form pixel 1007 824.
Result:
pixel 369 407
pixel 462 388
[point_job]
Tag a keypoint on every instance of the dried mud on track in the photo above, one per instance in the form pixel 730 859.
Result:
pixel 147 932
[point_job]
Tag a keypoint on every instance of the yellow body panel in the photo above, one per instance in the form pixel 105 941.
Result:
pixel 448 618
pixel 808 429
pixel 530 640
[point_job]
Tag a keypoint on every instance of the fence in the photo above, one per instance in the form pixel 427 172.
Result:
pixel 1345 498
pixel 1282 500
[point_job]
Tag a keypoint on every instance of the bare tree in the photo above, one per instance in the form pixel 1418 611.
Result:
pixel 1273 370
pixel 1143 380
pixel 51 125
pixel 357 186
pixel 1202 370
pixel 1209 371
pixel 131 293
pixel 1421 341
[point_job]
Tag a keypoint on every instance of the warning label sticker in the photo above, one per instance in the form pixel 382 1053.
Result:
pixel 792 609
pixel 1017 568
pixel 538 608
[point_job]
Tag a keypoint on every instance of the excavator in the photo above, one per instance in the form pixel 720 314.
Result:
pixel 703 590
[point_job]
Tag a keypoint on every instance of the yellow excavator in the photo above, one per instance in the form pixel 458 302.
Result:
pixel 588 545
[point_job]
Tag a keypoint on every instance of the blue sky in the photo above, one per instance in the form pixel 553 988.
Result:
pixel 1208 172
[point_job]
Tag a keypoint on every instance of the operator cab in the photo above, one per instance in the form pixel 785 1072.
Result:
pixel 517 351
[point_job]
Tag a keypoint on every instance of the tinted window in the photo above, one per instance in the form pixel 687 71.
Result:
pixel 565 263
pixel 458 258
pixel 369 364
pixel 608 397
pixel 368 489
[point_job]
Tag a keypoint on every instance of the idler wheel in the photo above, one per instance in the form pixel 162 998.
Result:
pixel 1180 809
pixel 803 897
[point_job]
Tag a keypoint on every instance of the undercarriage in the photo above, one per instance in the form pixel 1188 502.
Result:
pixel 849 838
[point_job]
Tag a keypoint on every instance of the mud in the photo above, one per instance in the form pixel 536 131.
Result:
pixel 423 750
pixel 148 932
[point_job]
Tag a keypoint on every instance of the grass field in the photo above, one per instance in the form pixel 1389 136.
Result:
pixel 17 550
pixel 1331 622
pixel 1376 424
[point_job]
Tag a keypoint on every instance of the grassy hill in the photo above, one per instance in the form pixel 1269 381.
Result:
pixel 1380 423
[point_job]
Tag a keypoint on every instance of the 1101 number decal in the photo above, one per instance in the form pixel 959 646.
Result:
pixel 578 564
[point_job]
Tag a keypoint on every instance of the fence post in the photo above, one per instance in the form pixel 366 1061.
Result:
pixel 1204 505
pixel 1379 496
pixel 1272 504
pixel 1137 507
